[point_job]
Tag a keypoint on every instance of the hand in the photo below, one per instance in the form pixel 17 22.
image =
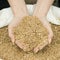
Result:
pixel 50 35
pixel 13 24
pixel 19 10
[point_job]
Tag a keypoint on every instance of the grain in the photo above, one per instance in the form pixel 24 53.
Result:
pixel 29 33
pixel 10 52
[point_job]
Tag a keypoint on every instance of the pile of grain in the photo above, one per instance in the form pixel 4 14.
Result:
pixel 10 52
pixel 29 33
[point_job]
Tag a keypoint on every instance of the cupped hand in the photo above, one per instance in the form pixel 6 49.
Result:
pixel 47 25
pixel 13 24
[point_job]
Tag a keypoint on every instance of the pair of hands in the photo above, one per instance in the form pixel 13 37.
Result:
pixel 16 21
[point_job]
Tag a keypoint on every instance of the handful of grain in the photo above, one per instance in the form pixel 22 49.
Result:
pixel 29 33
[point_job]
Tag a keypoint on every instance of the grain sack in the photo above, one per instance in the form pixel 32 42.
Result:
pixel 29 33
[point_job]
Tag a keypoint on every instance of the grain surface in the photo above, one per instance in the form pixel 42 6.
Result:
pixel 30 32
pixel 10 52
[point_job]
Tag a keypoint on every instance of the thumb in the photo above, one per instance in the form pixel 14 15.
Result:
pixel 50 36
pixel 10 32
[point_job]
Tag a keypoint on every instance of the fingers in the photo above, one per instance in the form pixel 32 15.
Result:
pixel 10 31
pixel 40 46
pixel 20 44
pixel 50 36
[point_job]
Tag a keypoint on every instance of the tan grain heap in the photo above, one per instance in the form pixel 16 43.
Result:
pixel 30 32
